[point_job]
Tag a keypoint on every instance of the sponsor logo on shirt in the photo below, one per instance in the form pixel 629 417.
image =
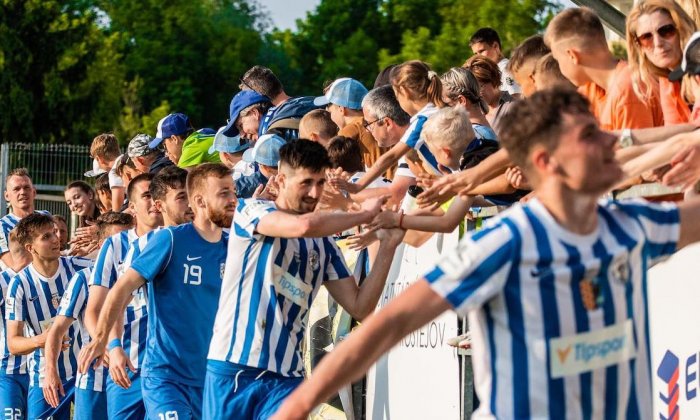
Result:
pixel 588 351
pixel 293 288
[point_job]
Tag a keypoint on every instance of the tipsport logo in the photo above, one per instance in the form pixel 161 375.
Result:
pixel 669 371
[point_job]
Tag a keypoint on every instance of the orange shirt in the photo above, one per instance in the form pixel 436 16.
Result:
pixel 674 108
pixel 369 146
pixel 619 107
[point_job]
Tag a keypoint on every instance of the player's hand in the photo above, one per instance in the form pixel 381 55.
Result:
pixel 92 352
pixel 118 363
pixel 53 388
pixel 392 237
pixel 426 180
pixel 686 168
pixel 441 190
pixel 373 206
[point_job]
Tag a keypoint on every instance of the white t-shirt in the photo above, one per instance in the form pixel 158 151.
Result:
pixel 507 81
pixel 115 181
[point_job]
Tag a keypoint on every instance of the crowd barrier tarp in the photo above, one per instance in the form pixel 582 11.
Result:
pixel 674 311
pixel 419 378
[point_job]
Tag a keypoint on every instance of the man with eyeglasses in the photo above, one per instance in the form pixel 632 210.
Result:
pixel 577 40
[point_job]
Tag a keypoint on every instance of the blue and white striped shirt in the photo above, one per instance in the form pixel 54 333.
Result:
pixel 269 284
pixel 11 364
pixel 414 139
pixel 558 320
pixel 34 299
pixel 7 223
pixel 112 262
pixel 73 305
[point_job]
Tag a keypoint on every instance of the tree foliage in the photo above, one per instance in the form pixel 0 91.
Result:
pixel 71 69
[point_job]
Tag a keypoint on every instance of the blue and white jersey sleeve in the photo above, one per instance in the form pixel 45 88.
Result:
pixel 103 274
pixel 248 215
pixel 156 256
pixel 660 224
pixel 336 268
pixel 412 136
pixel 476 270
pixel 75 297
pixel 79 263
pixel 15 309
pixel 6 224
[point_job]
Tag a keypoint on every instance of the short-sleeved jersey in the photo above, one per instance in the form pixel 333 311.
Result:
pixel 7 223
pixel 11 364
pixel 73 305
pixel 413 138
pixel 112 260
pixel 34 299
pixel 558 320
pixel 269 284
pixel 184 273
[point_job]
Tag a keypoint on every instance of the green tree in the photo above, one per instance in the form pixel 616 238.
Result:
pixel 59 73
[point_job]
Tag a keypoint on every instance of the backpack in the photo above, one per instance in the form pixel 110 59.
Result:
pixel 285 120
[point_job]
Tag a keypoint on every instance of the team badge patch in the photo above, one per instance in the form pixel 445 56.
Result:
pixel 55 300
pixel 222 266
pixel 314 260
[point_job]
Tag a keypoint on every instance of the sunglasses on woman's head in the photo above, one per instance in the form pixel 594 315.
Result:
pixel 646 40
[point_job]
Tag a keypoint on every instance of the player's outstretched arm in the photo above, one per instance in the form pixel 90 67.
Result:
pixel 20 345
pixel 351 359
pixel 53 388
pixel 115 303
pixel 361 301
pixel 317 224
pixel 382 164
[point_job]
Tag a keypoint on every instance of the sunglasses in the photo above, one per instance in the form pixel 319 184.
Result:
pixel 646 40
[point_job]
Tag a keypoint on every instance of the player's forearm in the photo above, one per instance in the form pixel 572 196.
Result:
pixel 116 301
pixel 382 164
pixel 20 345
pixel 487 169
pixel 370 291
pixel 325 223
pixel 54 338
pixel 117 330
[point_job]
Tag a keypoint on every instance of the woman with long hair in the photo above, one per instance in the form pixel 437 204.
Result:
pixel 82 201
pixel 460 88
pixel 488 76
pixel 657 31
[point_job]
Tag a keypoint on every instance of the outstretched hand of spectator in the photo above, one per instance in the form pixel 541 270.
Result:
pixel 340 180
pixel 517 179
pixel 685 171
pixel 362 240
pixel 268 191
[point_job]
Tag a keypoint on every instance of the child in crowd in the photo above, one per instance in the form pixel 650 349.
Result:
pixel 318 126
pixel 547 74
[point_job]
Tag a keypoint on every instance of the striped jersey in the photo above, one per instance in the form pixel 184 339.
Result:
pixel 73 305
pixel 558 320
pixel 414 139
pixel 11 364
pixel 7 223
pixel 269 284
pixel 111 263
pixel 183 272
pixel 34 299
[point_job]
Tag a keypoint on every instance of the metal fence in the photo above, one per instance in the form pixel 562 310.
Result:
pixel 51 166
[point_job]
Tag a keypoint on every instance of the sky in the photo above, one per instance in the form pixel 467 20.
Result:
pixel 284 13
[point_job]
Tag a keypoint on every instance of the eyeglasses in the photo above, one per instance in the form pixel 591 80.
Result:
pixel 367 125
pixel 646 40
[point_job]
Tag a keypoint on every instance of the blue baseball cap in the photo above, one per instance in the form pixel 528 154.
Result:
pixel 170 125
pixel 266 150
pixel 223 143
pixel 241 101
pixel 343 92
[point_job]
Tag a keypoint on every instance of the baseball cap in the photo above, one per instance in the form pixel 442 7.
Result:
pixel 266 150
pixel 691 59
pixel 139 146
pixel 241 101
pixel 95 171
pixel 343 92
pixel 170 125
pixel 226 144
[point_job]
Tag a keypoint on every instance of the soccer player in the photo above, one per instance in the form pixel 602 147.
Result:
pixel 20 194
pixel 90 395
pixel 545 285
pixel 183 267
pixel 279 254
pixel 14 379
pixel 32 301
pixel 125 403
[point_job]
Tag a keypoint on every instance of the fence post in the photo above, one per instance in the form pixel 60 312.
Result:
pixel 4 169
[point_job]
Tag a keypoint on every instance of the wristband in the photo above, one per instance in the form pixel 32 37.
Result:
pixel 401 215
pixel 116 342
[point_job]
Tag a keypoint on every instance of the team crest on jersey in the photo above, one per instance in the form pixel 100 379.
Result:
pixel 55 300
pixel 221 270
pixel 314 260
pixel 620 269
